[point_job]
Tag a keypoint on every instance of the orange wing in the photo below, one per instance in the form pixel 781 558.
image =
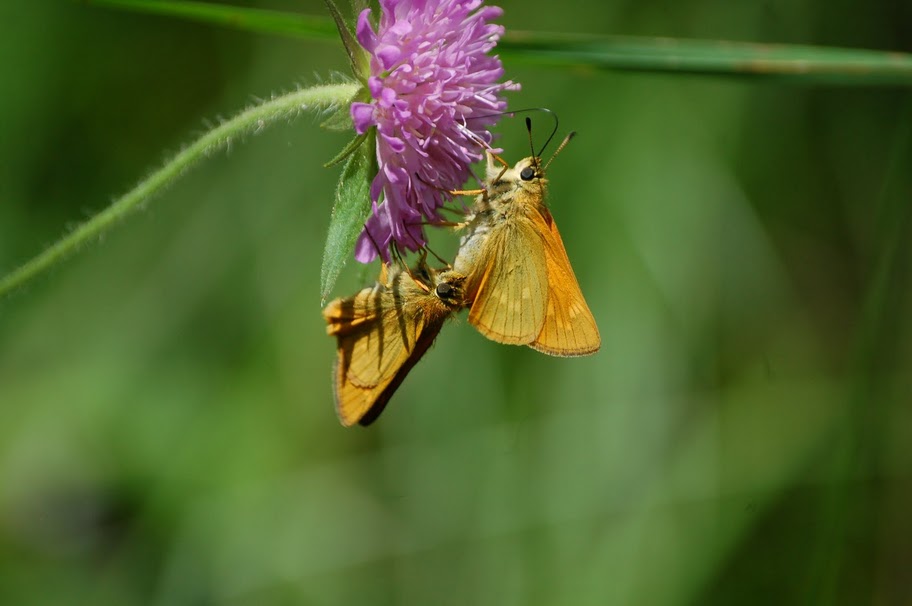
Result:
pixel 374 343
pixel 520 283
pixel 373 363
pixel 426 335
pixel 569 328
pixel 382 333
pixel 510 284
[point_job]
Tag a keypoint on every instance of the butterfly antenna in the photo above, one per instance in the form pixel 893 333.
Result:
pixel 485 146
pixel 529 130
pixel 438 257
pixel 471 135
pixel 550 137
pixel 425 271
pixel 468 133
pixel 512 114
pixel 395 255
pixel 559 148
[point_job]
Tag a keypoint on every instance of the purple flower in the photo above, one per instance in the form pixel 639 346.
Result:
pixel 431 80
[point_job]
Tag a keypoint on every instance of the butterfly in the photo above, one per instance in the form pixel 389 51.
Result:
pixel 518 278
pixel 383 331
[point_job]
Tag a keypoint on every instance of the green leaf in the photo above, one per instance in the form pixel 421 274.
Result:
pixel 358 6
pixel 349 213
pixel 360 63
pixel 347 150
pixel 340 120
pixel 247 19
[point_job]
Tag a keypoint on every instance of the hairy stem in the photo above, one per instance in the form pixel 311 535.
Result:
pixel 250 120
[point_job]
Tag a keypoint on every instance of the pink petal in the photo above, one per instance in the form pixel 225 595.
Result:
pixel 363 116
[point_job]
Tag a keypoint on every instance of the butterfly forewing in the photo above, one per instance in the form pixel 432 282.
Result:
pixel 382 332
pixel 371 348
pixel 569 328
pixel 510 294
pixel 521 285
pixel 426 336
pixel 375 354
pixel 344 316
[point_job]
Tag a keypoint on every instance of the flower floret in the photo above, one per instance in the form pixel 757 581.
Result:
pixel 434 93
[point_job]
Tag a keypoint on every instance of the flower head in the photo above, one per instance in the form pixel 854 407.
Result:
pixel 431 80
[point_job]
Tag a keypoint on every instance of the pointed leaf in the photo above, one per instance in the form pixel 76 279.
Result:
pixel 340 120
pixel 348 150
pixel 356 55
pixel 350 211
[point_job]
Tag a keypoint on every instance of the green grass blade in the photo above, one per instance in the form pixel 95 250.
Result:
pixel 247 19
pixel 799 64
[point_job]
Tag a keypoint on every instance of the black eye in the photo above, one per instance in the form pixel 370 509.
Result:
pixel 527 174
pixel 443 289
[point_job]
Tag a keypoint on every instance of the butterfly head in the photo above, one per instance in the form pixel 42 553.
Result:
pixel 449 288
pixel 529 170
pixel 525 173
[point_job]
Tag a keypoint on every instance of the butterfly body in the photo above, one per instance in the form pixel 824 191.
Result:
pixel 519 282
pixel 383 331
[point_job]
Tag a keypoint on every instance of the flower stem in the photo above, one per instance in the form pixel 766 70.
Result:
pixel 248 121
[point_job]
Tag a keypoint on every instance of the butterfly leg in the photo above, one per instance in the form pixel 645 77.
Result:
pixel 422 267
pixel 491 157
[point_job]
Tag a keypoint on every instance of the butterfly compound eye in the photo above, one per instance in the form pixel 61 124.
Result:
pixel 444 290
pixel 527 174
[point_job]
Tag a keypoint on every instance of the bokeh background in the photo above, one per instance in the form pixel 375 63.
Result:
pixel 167 433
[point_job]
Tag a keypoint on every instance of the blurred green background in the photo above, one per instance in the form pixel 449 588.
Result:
pixel 167 433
